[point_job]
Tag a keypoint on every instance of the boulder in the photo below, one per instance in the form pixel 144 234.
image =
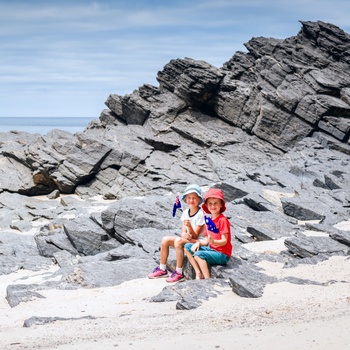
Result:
pixel 270 128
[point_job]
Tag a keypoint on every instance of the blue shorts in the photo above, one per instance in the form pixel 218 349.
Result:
pixel 211 256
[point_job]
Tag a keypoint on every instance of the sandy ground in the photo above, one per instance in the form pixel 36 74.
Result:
pixel 287 316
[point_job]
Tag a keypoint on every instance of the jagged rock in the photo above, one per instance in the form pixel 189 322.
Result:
pixel 205 130
pixel 189 294
pixel 21 294
pixel 195 82
pixel 131 108
pixel 20 252
pixel 313 260
pixel 101 273
pixel 10 264
pixel 342 237
pixel 270 127
pixel 294 280
pixel 281 91
pixel 53 241
pixel 305 209
pixel 87 237
pixel 128 214
pixel 332 143
pixel 261 225
pixel 304 246
pixel 64 258
pixel 247 282
pixel 149 238
pixel 35 320
pixel 272 227
pixel 90 273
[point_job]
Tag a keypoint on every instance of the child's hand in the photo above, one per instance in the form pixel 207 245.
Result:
pixel 186 235
pixel 210 240
pixel 195 247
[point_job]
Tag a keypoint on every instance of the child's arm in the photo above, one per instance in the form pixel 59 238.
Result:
pixel 184 233
pixel 188 232
pixel 195 232
pixel 198 244
pixel 222 241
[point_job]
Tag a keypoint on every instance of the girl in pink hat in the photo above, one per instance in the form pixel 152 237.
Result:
pixel 216 248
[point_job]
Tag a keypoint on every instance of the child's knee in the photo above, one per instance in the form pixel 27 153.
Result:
pixel 178 241
pixel 166 240
pixel 197 258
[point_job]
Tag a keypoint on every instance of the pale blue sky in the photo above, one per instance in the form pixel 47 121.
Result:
pixel 63 58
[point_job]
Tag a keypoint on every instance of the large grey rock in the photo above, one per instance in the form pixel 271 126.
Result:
pixel 247 281
pixel 280 91
pixel 53 241
pixel 87 237
pixel 196 82
pixel 304 246
pixel 190 294
pixel 134 213
pixel 270 127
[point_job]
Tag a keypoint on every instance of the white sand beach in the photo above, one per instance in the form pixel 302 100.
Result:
pixel 288 316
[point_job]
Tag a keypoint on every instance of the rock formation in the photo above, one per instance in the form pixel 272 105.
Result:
pixel 270 127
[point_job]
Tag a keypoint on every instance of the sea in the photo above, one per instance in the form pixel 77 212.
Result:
pixel 42 125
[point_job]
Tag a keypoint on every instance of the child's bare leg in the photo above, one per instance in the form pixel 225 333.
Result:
pixel 167 242
pixel 193 263
pixel 203 266
pixel 179 251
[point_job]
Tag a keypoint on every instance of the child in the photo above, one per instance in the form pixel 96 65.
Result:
pixel 216 248
pixel 192 225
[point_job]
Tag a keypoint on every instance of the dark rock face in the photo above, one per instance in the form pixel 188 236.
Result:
pixel 270 127
pixel 277 93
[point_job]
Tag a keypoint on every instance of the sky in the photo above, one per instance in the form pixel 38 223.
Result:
pixel 64 58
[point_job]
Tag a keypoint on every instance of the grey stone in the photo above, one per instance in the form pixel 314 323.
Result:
pixel 270 128
pixel 304 246
pixel 189 294
pixel 247 282
pixel 38 321
pixel 86 236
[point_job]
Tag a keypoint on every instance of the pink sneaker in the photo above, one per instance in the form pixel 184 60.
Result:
pixel 176 277
pixel 158 273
